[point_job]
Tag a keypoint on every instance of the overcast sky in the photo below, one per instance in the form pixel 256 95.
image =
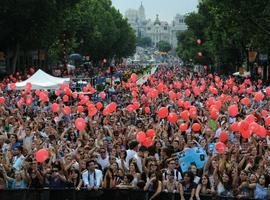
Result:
pixel 166 9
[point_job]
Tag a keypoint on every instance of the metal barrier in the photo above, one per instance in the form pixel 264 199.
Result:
pixel 104 194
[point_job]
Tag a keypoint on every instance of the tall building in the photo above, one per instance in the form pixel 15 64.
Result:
pixel 157 30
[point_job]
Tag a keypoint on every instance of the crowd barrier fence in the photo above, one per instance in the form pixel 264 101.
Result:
pixel 104 194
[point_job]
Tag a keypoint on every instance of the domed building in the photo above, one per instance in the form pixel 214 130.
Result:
pixel 157 30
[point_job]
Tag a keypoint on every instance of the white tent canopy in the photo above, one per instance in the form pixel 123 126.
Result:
pixel 245 74
pixel 42 80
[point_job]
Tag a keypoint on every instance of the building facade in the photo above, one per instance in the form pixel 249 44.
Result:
pixel 157 30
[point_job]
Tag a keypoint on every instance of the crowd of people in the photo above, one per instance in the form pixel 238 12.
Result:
pixel 107 154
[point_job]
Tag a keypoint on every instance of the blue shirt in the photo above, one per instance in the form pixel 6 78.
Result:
pixel 260 192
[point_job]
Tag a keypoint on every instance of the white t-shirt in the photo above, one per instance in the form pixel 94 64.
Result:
pixel 103 162
pixel 130 154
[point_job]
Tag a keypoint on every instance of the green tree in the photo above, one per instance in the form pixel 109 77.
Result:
pixel 164 46
pixel 227 28
pixel 29 24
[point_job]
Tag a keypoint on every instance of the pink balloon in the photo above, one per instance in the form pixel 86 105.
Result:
pixel 42 155
pixel 172 95
pixel 80 124
pixel 184 115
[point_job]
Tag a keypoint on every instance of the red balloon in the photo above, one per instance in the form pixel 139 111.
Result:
pixel 2 100
pixel 163 112
pixel 264 113
pixel 150 133
pixel 187 105
pixel 141 137
pixel 172 117
pixel 136 105
pixel 245 133
pixel 259 96
pixel 102 95
pixel 234 127
pixel 253 127
pixel 42 155
pixel 183 127
pixel 214 114
pixel 187 92
pixel 57 92
pixel 243 125
pixel 220 147
pixel 245 101
pixel 80 109
pixel 66 110
pixel 112 107
pixel 199 41
pixel 184 115
pixel 28 101
pixel 99 105
pixel 223 136
pixel 261 131
pixel 28 86
pixel 250 118
pixel 74 95
pixel 148 142
pixel 267 121
pixel 55 107
pixel 43 97
pixel 92 111
pixel 37 92
pixel 196 127
pixel 268 91
pixel 130 108
pixel 12 86
pixel 180 102
pixel 233 110
pixel 172 95
pixel 147 110
pixel 134 77
pixel 65 98
pixel 105 112
pixel 80 124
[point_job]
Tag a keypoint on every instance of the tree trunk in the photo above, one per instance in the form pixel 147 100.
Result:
pixel 14 58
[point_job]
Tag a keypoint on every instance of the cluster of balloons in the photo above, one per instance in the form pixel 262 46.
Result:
pixel 146 139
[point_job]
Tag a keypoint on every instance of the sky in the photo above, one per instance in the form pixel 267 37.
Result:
pixel 166 9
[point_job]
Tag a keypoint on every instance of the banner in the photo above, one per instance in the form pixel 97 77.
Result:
pixel 196 155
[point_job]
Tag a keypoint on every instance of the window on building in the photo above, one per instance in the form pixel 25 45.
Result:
pixel 165 28
pixel 149 28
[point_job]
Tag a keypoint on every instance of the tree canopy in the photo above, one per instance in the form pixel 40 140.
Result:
pixel 164 46
pixel 227 29
pixel 92 27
